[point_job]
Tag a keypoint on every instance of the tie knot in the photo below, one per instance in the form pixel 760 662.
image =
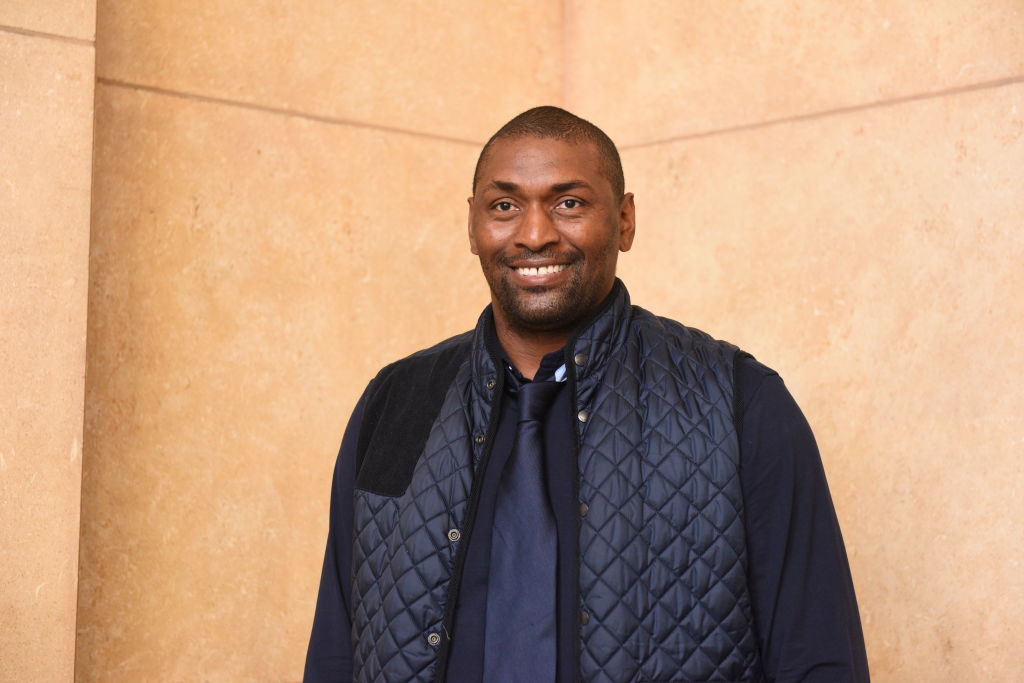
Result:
pixel 534 400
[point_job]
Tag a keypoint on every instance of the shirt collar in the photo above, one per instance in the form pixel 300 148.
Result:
pixel 552 368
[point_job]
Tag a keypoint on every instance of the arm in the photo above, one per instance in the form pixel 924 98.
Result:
pixel 329 657
pixel 803 598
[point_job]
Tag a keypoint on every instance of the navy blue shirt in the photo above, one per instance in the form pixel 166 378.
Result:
pixel 805 610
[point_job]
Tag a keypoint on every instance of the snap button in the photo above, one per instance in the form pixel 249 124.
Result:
pixel 583 416
pixel 454 535
pixel 584 618
pixel 584 509
pixel 479 439
pixel 490 384
pixel 433 639
pixel 580 359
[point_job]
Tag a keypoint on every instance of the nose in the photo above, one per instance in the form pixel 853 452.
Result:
pixel 536 229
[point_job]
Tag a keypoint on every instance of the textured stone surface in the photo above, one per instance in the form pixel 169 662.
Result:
pixel 655 70
pixel 454 69
pixel 874 259
pixel 250 273
pixel 45 153
pixel 70 18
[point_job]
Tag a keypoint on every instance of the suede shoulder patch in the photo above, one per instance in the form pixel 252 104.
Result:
pixel 401 407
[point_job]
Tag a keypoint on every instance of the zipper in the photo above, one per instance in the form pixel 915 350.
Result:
pixel 455 584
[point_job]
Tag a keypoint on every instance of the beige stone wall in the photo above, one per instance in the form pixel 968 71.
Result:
pixel 46 90
pixel 278 210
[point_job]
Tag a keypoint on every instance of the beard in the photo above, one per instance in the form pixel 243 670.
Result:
pixel 545 308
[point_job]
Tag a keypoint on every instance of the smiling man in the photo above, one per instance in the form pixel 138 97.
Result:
pixel 578 489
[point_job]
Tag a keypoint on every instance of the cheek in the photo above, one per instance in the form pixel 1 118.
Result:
pixel 601 243
pixel 488 243
pixel 479 241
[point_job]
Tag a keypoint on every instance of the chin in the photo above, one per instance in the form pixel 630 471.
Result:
pixel 557 313
pixel 540 309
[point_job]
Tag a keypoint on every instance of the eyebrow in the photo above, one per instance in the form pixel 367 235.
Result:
pixel 506 186
pixel 570 185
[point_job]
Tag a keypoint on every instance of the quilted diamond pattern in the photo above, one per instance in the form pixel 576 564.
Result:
pixel 402 558
pixel 663 575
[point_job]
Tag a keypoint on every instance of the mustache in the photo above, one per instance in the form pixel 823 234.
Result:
pixel 526 255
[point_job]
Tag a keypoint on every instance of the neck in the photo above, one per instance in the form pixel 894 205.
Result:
pixel 526 349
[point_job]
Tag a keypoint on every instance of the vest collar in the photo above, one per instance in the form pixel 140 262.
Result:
pixel 586 351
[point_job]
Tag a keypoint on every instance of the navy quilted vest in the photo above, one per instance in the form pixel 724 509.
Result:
pixel 662 569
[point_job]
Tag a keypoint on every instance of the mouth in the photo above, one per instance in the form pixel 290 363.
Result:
pixel 531 271
pixel 541 271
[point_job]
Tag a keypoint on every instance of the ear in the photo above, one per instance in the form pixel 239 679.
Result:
pixel 627 222
pixel 469 224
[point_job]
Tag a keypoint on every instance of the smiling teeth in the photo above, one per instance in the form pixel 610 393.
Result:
pixel 543 270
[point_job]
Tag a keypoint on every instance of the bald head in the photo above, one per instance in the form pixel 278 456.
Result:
pixel 553 122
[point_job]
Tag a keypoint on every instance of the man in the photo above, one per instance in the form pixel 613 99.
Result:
pixel 578 489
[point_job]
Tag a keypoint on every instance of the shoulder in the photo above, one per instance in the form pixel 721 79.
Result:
pixel 751 371
pixel 656 329
pixel 401 404
pixel 427 365
pixel 749 376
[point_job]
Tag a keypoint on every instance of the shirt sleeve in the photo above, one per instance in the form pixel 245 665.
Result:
pixel 329 657
pixel 804 605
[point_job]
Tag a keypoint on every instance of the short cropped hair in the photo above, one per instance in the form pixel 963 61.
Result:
pixel 553 122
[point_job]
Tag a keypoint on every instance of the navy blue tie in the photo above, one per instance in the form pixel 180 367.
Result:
pixel 521 587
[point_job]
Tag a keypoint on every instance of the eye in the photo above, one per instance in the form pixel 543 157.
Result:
pixel 570 203
pixel 503 206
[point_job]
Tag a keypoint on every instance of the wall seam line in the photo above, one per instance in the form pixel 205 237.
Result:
pixel 85 386
pixel 825 113
pixel 281 111
pixel 49 36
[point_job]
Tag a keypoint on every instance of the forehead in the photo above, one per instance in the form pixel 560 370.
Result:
pixel 530 161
